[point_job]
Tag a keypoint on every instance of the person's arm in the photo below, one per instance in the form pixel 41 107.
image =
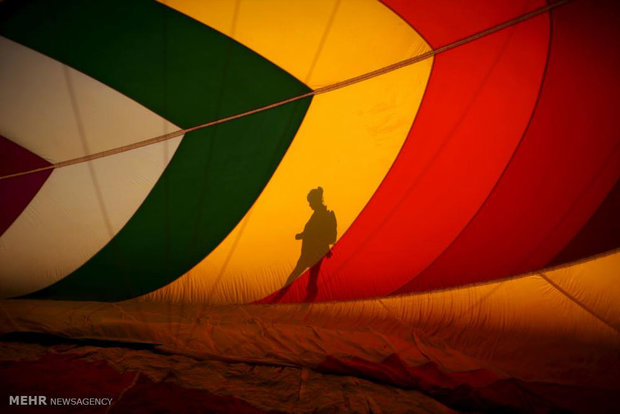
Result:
pixel 300 236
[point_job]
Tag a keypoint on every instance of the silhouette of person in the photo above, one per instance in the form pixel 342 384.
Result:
pixel 319 233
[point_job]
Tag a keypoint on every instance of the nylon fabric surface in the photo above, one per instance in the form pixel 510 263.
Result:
pixel 412 218
pixel 529 217
pixel 520 329
pixel 453 166
pixel 59 113
pixel 346 144
pixel 230 163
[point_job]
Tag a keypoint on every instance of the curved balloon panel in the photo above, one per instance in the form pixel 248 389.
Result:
pixel 531 188
pixel 347 142
pixel 600 234
pixel 563 170
pixel 445 21
pixel 187 73
pixel 416 196
pixel 313 40
pixel 394 197
pixel 77 116
pixel 454 156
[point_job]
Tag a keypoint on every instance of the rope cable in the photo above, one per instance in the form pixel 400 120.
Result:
pixel 324 89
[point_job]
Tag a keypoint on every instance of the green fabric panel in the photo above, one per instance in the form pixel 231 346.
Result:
pixel 188 74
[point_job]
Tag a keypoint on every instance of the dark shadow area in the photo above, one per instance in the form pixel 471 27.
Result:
pixel 318 235
pixel 127 377
pixel 601 233
pixel 51 340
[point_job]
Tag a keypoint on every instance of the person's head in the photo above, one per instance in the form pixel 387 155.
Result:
pixel 315 198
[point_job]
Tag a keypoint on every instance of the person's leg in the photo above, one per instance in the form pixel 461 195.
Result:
pixel 297 271
pixel 299 268
pixel 313 288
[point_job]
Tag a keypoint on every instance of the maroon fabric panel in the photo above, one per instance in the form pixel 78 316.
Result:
pixel 478 390
pixel 69 376
pixel 147 396
pixel 16 193
pixel 600 234
pixel 61 376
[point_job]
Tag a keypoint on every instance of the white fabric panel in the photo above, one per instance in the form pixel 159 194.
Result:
pixel 80 207
pixel 36 111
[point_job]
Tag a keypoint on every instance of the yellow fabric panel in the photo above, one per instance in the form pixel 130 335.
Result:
pixel 598 295
pixel 317 41
pixel 346 144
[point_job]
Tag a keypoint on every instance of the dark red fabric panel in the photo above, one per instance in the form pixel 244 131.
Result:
pixel 567 163
pixel 16 193
pixel 441 22
pixel 147 396
pixel 600 234
pixel 58 375
pixel 478 390
pixel 478 101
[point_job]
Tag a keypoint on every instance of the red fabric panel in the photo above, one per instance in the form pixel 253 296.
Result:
pixel 441 22
pixel 567 163
pixel 479 99
pixel 16 193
